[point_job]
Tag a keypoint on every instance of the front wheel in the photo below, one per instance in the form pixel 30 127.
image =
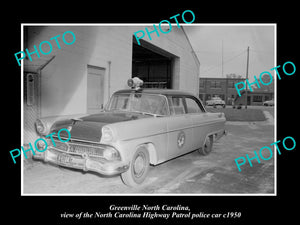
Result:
pixel 207 147
pixel 138 169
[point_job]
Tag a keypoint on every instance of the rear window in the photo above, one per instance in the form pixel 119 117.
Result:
pixel 176 105
pixel 192 106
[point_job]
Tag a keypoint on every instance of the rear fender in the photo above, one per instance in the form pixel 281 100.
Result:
pixel 216 135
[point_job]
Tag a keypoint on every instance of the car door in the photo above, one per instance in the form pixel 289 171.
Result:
pixel 180 128
pixel 202 121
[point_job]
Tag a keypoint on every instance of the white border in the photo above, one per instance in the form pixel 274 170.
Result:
pixel 22 110
pixel 151 24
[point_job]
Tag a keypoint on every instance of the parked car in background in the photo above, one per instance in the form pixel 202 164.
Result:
pixel 215 101
pixel 138 128
pixel 269 103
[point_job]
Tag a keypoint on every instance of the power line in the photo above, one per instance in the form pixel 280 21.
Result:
pixel 226 61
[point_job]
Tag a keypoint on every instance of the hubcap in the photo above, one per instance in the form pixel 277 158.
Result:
pixel 139 165
pixel 207 145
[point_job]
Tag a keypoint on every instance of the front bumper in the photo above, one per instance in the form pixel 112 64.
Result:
pixel 83 162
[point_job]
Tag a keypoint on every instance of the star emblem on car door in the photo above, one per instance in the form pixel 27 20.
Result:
pixel 180 139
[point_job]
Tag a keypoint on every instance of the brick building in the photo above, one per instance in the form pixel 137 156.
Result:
pixel 225 89
pixel 218 87
pixel 257 97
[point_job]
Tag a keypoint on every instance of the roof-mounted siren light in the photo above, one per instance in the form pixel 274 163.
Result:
pixel 135 83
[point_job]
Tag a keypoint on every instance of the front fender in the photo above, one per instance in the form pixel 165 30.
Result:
pixel 149 131
pixel 156 148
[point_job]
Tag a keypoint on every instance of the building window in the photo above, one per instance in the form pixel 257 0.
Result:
pixel 201 97
pixel 176 105
pixel 231 84
pixel 215 84
pixel 201 84
pixel 30 90
pixel 257 98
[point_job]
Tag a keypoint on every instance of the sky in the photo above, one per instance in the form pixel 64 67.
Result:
pixel 207 41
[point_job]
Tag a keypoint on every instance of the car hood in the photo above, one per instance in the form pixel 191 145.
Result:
pixel 89 128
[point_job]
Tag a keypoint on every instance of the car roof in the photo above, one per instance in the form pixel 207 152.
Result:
pixel 168 92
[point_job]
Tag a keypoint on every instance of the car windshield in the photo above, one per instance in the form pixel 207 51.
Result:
pixel 139 102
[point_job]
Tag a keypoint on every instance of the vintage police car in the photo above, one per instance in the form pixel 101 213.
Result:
pixel 138 128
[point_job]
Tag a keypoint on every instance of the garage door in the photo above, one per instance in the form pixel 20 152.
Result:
pixel 152 67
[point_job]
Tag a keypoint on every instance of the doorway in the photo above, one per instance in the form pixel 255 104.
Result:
pixel 248 100
pixel 95 89
pixel 153 65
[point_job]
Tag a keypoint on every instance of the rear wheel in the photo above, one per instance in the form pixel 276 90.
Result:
pixel 138 169
pixel 207 147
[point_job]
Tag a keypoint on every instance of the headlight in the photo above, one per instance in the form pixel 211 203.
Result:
pixel 41 145
pixel 40 127
pixel 107 134
pixel 110 153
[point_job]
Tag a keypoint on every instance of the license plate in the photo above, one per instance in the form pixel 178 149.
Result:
pixel 64 158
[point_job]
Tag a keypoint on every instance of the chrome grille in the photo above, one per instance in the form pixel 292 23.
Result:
pixel 79 148
pixel 61 146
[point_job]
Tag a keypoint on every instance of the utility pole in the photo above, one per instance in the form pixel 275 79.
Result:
pixel 247 77
pixel 222 59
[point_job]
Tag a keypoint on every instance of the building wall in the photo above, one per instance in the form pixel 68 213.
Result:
pixel 185 65
pixel 63 81
pixel 254 98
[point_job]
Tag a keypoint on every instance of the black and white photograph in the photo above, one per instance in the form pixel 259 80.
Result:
pixel 109 113
pixel 171 118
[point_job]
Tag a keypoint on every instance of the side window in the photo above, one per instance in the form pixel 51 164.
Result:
pixel 176 105
pixel 192 106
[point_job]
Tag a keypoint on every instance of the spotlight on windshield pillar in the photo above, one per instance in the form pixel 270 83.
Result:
pixel 130 83
pixel 135 83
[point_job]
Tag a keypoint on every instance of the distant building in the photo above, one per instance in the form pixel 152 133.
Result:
pixel 218 87
pixel 225 89
pixel 256 97
pixel 259 94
